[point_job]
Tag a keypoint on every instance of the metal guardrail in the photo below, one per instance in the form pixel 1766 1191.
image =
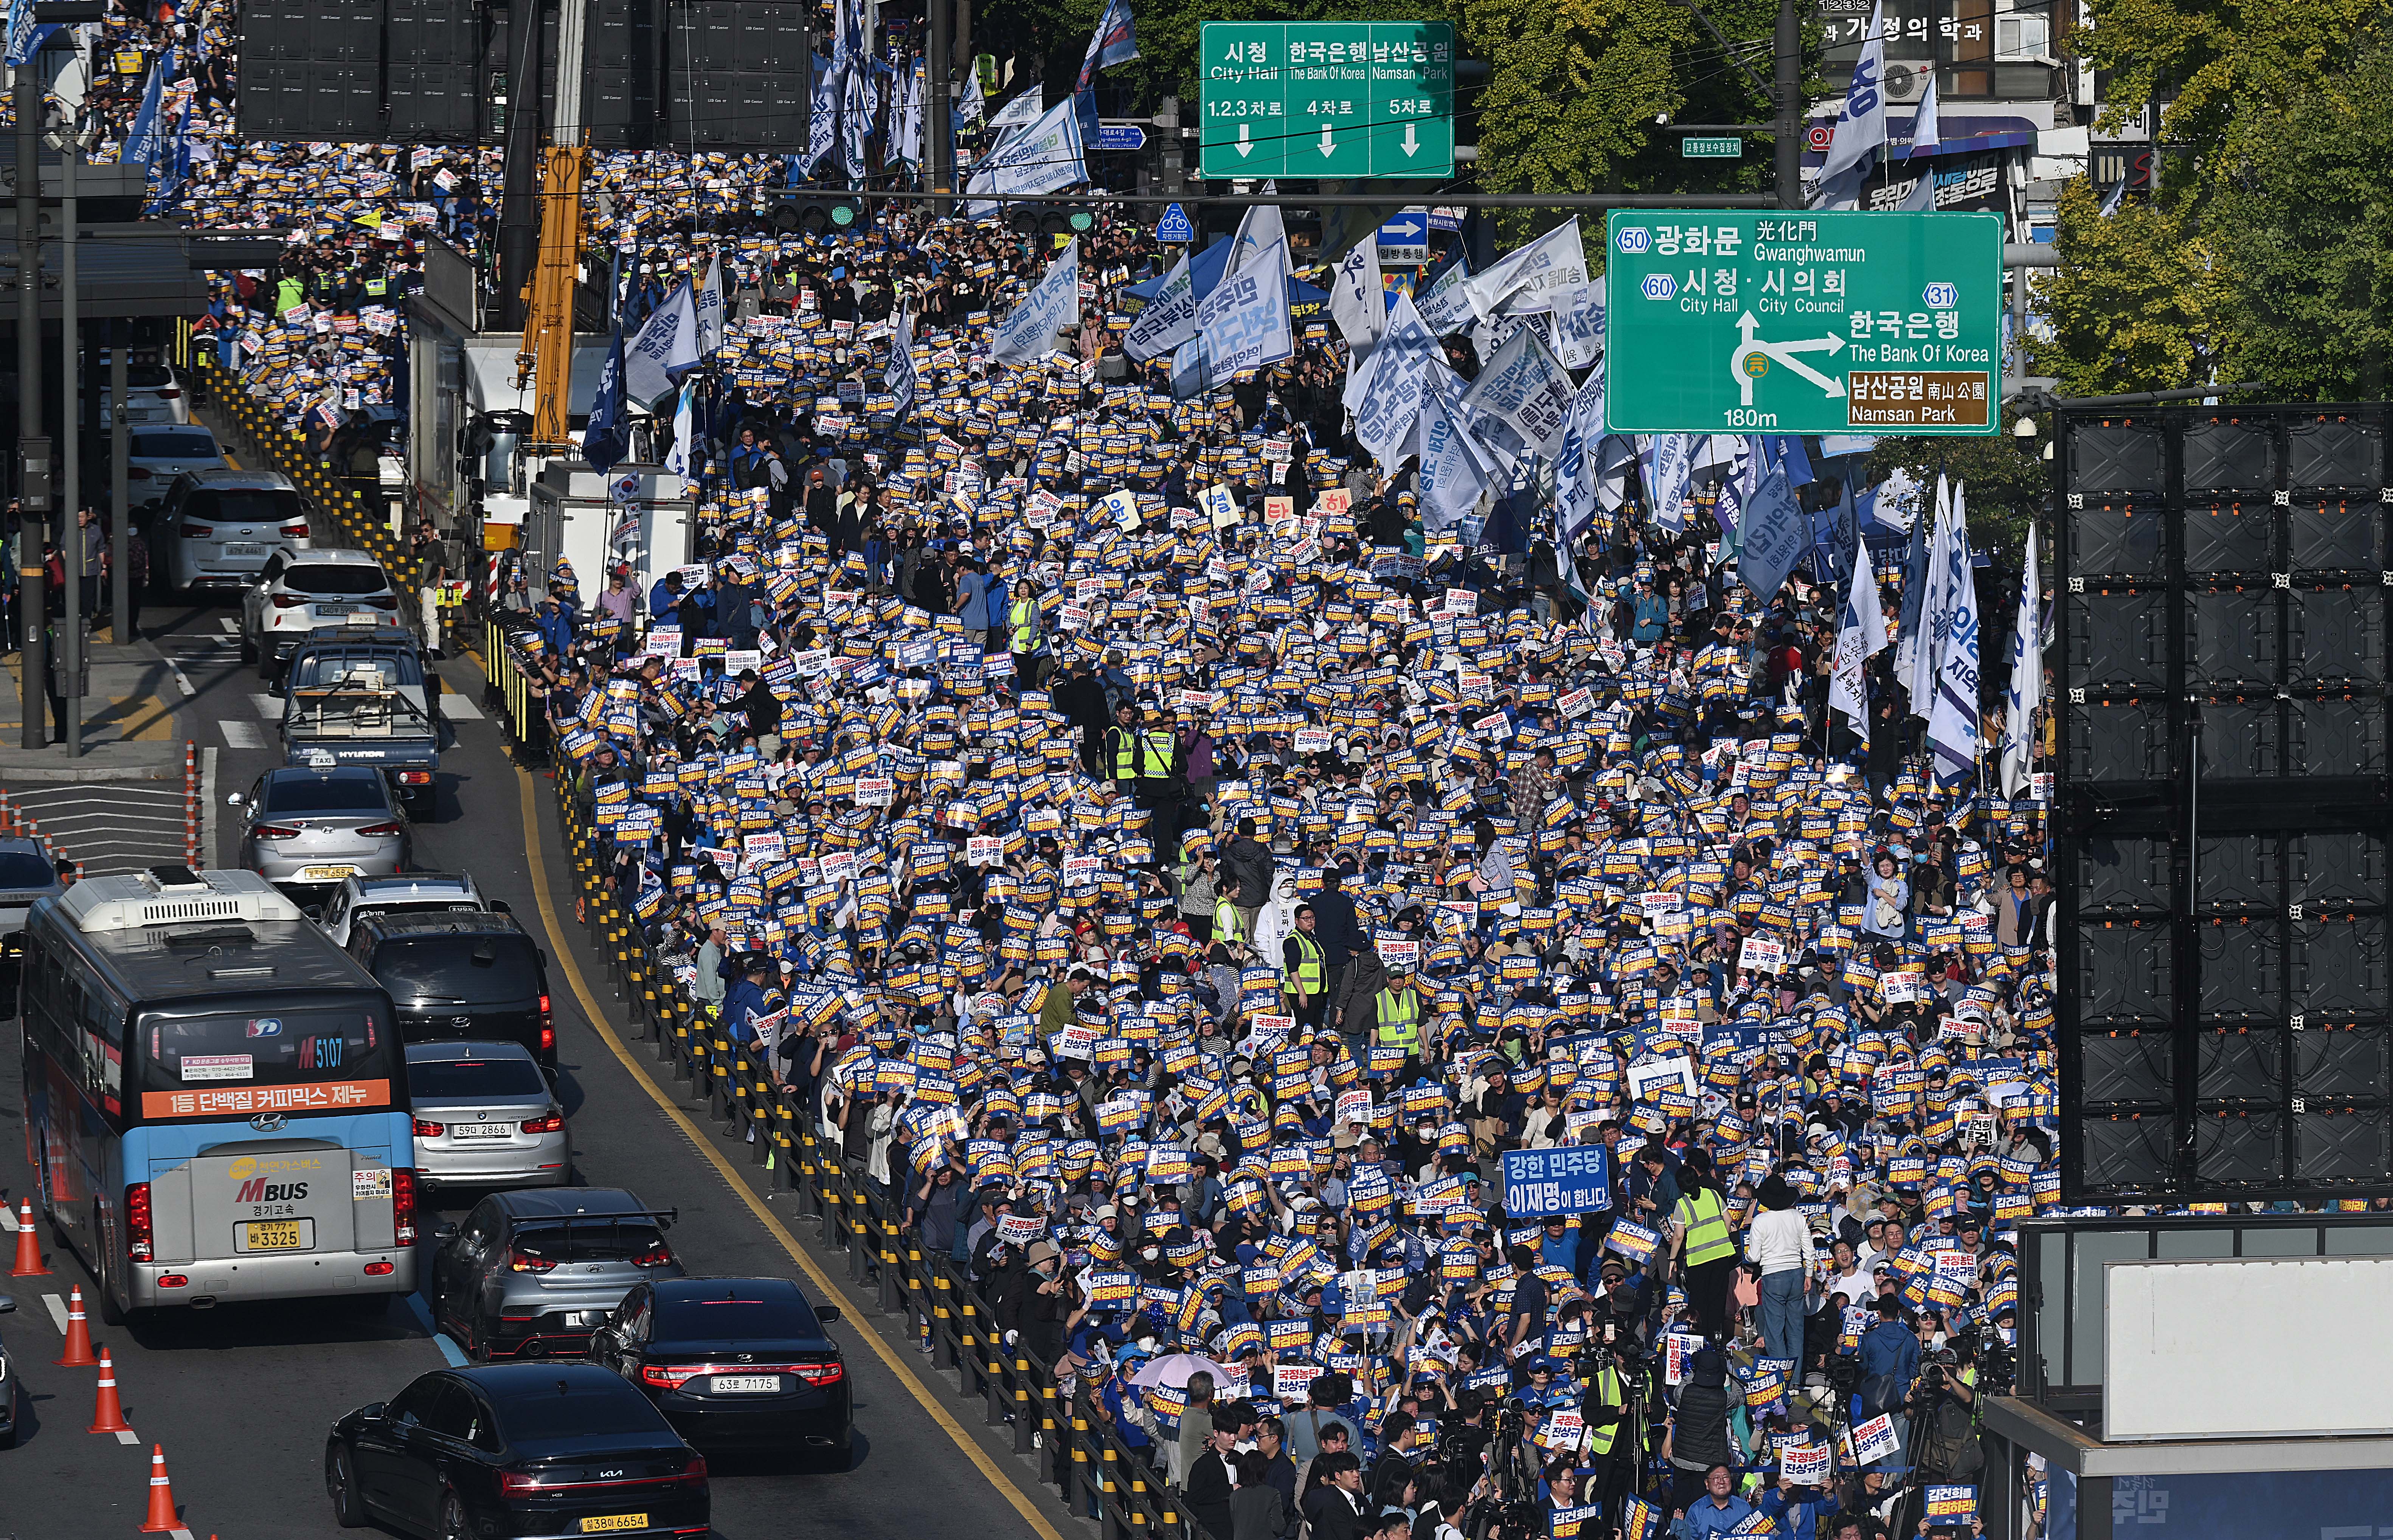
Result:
pixel 320 491
pixel 1096 1473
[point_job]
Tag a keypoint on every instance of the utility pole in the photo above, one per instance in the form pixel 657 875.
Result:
pixel 938 117
pixel 518 199
pixel 1787 48
pixel 120 584
pixel 33 450
pixel 70 396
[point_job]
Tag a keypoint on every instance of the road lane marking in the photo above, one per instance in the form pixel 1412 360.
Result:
pixel 57 1311
pixel 450 1351
pixel 8 1220
pixel 241 734
pixel 269 706
pixel 231 626
pixel 898 1367
pixel 181 683
pixel 456 707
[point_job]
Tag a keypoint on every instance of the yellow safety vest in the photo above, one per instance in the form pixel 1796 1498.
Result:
pixel 288 293
pixel 1154 750
pixel 1608 1397
pixel 1400 1021
pixel 1227 920
pixel 1310 963
pixel 1705 1222
pixel 377 287
pixel 1125 753
pixel 1024 627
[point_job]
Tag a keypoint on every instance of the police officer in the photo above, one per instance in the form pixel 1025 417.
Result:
pixel 1305 965
pixel 1400 1009
pixel 1701 1241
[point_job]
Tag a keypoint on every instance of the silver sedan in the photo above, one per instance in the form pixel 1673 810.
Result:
pixel 485 1115
pixel 313 828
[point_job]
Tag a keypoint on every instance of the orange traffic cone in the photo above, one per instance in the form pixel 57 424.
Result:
pixel 78 1349
pixel 28 1246
pixel 108 1412
pixel 161 1520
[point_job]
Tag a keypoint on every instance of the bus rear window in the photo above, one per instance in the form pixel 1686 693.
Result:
pixel 265 1047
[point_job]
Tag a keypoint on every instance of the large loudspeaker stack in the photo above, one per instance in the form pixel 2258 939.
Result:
pixel 2223 805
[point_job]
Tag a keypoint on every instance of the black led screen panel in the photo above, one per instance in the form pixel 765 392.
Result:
pixel 2224 803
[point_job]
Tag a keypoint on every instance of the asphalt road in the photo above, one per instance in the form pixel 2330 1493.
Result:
pixel 239 1397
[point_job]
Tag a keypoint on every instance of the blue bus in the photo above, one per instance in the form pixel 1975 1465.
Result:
pixel 215 1096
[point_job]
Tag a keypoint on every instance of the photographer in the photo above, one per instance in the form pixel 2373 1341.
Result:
pixel 1890 1354
pixel 1943 1414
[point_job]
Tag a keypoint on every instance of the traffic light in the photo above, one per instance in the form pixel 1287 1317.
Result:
pixel 801 212
pixel 1053 219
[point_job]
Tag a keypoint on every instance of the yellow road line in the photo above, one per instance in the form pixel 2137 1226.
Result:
pixel 765 1216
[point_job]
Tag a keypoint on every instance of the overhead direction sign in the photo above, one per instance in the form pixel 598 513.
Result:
pixel 1404 240
pixel 1726 147
pixel 1817 322
pixel 1326 98
pixel 1119 135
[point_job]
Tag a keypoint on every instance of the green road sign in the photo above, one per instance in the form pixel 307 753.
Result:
pixel 1326 98
pixel 1728 148
pixel 1803 323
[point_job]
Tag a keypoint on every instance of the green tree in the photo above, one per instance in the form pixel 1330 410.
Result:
pixel 2303 233
pixel 2130 304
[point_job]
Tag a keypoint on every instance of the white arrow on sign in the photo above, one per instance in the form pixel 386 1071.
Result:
pixel 1785 353
pixel 1412 139
pixel 1246 145
pixel 1328 146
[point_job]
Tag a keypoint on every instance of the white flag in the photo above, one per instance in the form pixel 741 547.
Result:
pixel 1022 111
pixel 666 350
pixel 899 376
pixel 679 460
pixel 1952 722
pixel 1534 277
pixel 1861 636
pixel 1358 302
pixel 1169 320
pixel 1455 469
pixel 1028 330
pixel 1578 326
pixel 708 305
pixel 1262 236
pixel 1044 156
pixel 1524 386
pixel 1244 323
pixel 1861 128
pixel 1384 390
pixel 1445 306
pixel 2027 680
pixel 1915 653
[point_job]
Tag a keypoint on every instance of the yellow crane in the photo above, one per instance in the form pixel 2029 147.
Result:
pixel 547 356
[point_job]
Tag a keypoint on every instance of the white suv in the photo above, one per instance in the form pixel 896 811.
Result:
pixel 218 527
pixel 301 593
pixel 416 892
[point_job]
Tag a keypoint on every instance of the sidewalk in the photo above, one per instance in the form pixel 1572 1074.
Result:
pixel 129 731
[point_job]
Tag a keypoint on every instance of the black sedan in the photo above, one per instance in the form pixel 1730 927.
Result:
pixel 735 1365
pixel 529 1449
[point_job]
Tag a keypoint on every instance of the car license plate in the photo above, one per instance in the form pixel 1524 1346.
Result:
pixel 610 1522
pixel 329 873
pixel 275 1235
pixel 746 1385
pixel 329 612
pixel 481 1130
pixel 244 548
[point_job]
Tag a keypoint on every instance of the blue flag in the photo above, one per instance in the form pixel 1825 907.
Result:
pixel 605 441
pixel 144 140
pixel 1115 42
pixel 1774 536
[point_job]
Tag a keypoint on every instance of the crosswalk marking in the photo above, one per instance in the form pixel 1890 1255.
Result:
pixel 242 735
pixel 269 706
pixel 457 708
pixel 228 625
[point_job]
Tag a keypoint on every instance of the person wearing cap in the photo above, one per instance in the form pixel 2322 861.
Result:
pixel 1304 965
pixel 1701 1245
pixel 1398 1010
